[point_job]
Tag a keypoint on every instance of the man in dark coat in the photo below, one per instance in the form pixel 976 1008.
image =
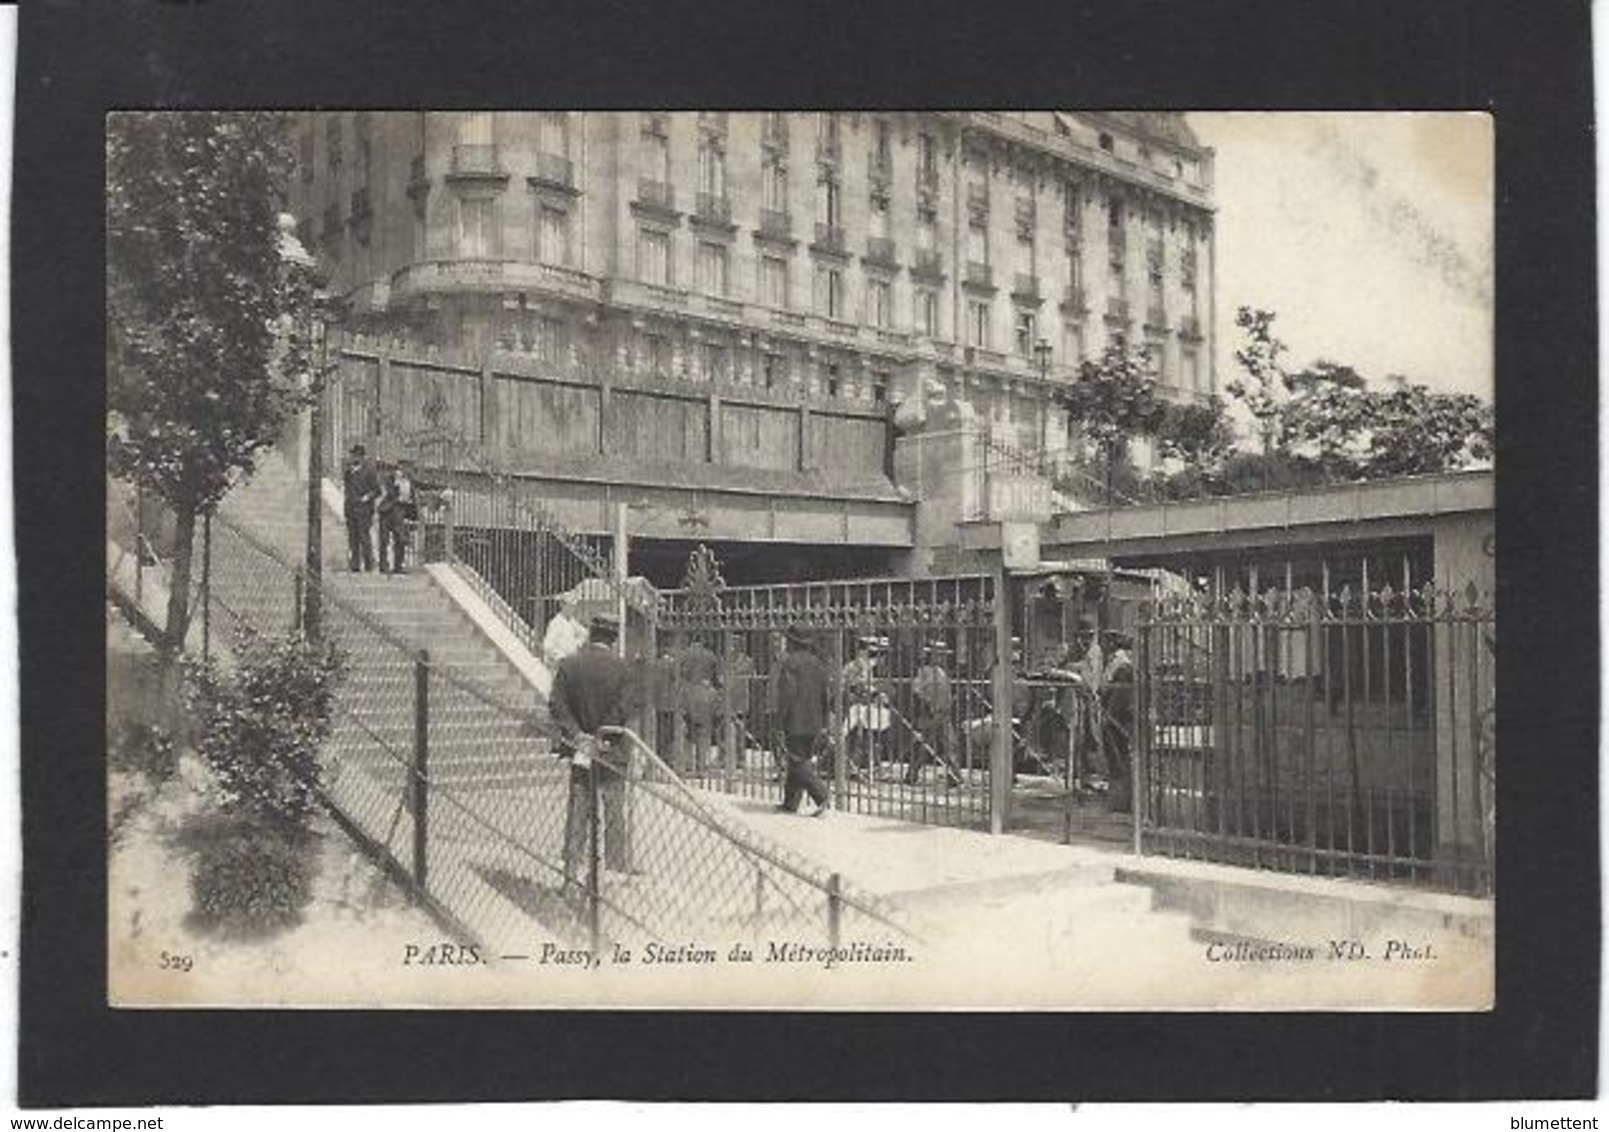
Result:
pixel 698 671
pixel 592 689
pixel 398 507
pixel 360 483
pixel 804 712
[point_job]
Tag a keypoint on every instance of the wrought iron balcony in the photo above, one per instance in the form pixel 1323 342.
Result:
pixel 776 224
pixel 656 195
pixel 880 249
pixel 979 275
pixel 1026 287
pixel 829 238
pixel 477 161
pixel 929 263
pixel 1075 301
pixel 551 169
pixel 713 208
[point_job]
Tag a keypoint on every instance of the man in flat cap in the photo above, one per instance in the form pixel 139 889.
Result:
pixel 592 689
pixel 804 712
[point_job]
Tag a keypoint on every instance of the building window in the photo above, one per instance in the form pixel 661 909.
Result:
pixel 475 129
pixel 829 205
pixel 475 218
pixel 977 175
pixel 1116 240
pixel 927 158
pixel 1025 336
pixel 978 323
pixel 927 311
pixel 656 354
pixel 977 243
pixel 712 361
pixel 553 235
pixel 879 387
pixel 927 230
pixel 1026 257
pixel 879 217
pixel 332 139
pixel 880 303
pixel 712 168
pixel 830 291
pixel 550 340
pixel 554 134
pixel 773 370
pixel 712 264
pixel 832 380
pixel 883 148
pixel 307 156
pixel 653 256
pixel 774 281
pixel 656 155
pixel 774 183
pixel 829 137
pixel 1075 272
pixel 775 130
pixel 1072 344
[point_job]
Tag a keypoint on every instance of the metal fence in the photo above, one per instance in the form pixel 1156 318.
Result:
pixel 448 780
pixel 1348 733
pixel 912 734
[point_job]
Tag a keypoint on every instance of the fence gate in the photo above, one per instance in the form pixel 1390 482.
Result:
pixel 913 733
pixel 1348 733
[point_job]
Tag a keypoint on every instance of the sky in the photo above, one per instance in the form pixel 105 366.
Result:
pixel 1370 235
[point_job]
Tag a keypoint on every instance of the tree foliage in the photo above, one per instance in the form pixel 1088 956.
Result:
pixel 1114 398
pixel 196 299
pixel 1266 385
pixel 1198 434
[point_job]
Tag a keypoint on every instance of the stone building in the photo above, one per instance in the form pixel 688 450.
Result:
pixel 755 301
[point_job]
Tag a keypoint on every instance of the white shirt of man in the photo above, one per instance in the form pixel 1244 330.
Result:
pixel 564 637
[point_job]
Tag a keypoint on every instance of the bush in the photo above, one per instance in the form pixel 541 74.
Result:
pixel 146 750
pixel 261 726
pixel 249 878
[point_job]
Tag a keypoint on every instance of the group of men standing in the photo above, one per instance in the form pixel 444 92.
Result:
pixel 384 490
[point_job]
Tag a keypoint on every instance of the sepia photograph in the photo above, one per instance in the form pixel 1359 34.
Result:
pixel 805 560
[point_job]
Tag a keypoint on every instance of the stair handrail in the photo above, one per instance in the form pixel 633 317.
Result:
pixel 746 841
pixel 1068 478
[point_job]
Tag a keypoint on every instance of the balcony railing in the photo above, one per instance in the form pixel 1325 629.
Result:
pixel 477 161
pixel 929 262
pixel 979 275
pixel 1075 302
pixel 656 194
pixel 713 208
pixel 552 169
pixel 1117 309
pixel 1026 287
pixel 775 223
pixel 880 249
pixel 829 238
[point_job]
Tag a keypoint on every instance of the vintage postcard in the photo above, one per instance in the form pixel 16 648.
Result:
pixel 801 560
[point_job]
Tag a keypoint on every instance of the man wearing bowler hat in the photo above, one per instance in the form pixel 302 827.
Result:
pixel 595 688
pixel 804 712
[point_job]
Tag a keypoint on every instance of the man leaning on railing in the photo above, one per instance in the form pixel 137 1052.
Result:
pixel 595 688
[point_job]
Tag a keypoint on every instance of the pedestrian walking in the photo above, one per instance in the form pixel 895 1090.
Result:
pixel 360 485
pixel 698 672
pixel 398 509
pixel 595 688
pixel 931 691
pixel 804 716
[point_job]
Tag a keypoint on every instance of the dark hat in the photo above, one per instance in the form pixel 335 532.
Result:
pixel 605 627
pixel 797 636
pixel 358 450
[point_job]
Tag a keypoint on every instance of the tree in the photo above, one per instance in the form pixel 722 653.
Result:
pixel 1266 385
pixel 196 300
pixel 1114 400
pixel 1199 434
pixel 1414 431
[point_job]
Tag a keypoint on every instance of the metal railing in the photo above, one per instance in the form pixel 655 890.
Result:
pixel 912 730
pixel 1337 733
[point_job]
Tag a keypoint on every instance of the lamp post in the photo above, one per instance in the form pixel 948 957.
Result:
pixel 315 318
